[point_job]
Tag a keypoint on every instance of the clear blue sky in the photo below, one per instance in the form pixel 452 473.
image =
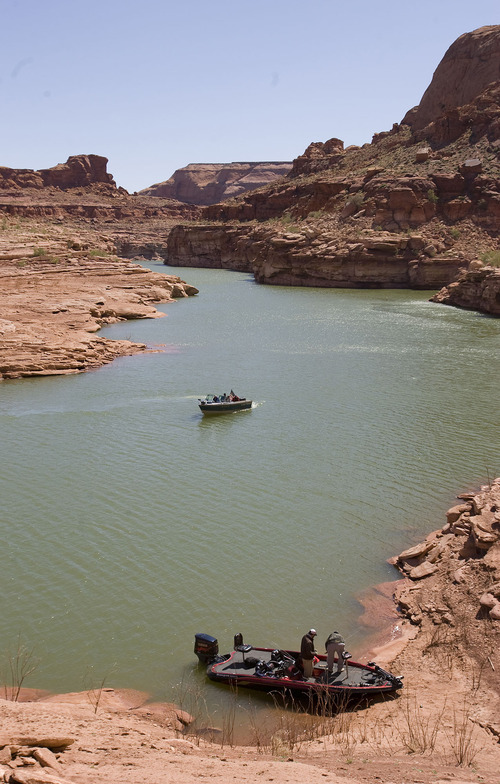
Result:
pixel 156 84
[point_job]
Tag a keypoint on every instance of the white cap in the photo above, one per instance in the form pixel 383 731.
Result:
pixel 312 631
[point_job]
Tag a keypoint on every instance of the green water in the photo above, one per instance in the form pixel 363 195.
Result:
pixel 129 522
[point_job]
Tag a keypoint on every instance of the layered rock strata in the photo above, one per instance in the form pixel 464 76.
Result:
pixel 475 289
pixel 81 189
pixel 209 183
pixel 78 171
pixel 308 257
pixel 55 294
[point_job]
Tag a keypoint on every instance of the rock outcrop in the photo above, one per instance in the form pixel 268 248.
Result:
pixel 458 566
pixel 478 288
pixel 77 172
pixel 209 183
pixel 58 290
pixel 81 189
pixel 469 66
pixel 318 156
pixel 308 257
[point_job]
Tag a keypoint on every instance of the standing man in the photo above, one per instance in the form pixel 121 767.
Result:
pixel 335 644
pixel 307 652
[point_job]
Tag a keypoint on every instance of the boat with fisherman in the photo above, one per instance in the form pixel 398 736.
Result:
pixel 274 669
pixel 222 404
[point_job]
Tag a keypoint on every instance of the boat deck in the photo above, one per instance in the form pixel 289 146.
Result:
pixel 263 668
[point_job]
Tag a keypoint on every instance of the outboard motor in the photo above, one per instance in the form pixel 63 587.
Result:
pixel 206 647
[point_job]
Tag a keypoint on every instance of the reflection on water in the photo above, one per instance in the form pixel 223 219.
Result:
pixel 132 521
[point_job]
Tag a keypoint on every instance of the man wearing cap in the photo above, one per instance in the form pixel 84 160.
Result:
pixel 307 652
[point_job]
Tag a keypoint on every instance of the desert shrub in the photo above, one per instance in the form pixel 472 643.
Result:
pixel 491 258
pixel 20 663
pixel 98 252
pixel 357 199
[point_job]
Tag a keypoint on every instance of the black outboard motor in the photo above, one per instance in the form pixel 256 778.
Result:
pixel 206 647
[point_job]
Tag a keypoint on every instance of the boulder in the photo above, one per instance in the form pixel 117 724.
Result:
pixel 471 167
pixel 424 569
pixel 453 514
pixel 418 551
pixel 49 742
pixel 36 776
pixel 483 529
pixel 423 154
pixel 46 758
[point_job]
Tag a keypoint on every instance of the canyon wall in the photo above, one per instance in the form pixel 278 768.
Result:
pixel 209 183
pixel 309 258
pixel 411 209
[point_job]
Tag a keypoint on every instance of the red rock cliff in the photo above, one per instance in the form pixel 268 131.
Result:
pixel 209 183
pixel 471 64
pixel 78 171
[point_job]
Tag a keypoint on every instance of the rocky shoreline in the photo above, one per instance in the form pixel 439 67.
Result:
pixel 60 284
pixel 445 720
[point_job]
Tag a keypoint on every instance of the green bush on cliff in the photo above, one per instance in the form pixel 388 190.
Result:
pixel 491 258
pixel 357 199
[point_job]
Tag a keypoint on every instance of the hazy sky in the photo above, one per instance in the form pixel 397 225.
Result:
pixel 156 84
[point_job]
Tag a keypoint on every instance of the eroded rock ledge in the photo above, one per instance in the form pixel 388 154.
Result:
pixel 476 289
pixel 57 290
pixel 312 256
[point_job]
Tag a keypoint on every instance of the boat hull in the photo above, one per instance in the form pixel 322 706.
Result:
pixel 355 681
pixel 225 408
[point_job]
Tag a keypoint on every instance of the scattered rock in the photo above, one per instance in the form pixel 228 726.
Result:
pixel 422 570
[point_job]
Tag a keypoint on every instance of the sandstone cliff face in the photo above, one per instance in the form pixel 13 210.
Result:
pixel 78 171
pixel 471 63
pixel 209 183
pixel 82 189
pixel 313 258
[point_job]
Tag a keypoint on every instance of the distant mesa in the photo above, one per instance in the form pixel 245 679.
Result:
pixel 78 171
pixel 209 183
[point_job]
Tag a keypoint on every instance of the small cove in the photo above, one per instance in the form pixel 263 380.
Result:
pixel 131 522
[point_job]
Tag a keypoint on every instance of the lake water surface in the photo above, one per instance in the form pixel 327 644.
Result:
pixel 129 522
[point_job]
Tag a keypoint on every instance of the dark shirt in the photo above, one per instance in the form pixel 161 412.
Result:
pixel 307 647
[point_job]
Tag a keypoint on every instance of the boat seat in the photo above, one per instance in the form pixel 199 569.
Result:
pixel 243 649
pixel 240 646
